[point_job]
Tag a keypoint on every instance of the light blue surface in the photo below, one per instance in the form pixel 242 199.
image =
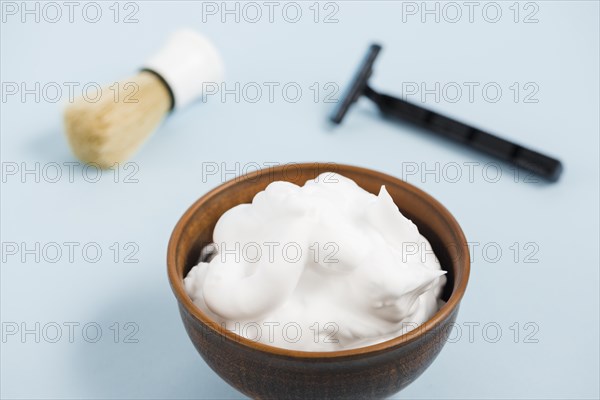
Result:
pixel 558 295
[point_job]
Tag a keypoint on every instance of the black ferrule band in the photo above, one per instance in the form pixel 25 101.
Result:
pixel 165 83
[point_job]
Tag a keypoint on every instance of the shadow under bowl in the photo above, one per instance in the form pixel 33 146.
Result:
pixel 267 372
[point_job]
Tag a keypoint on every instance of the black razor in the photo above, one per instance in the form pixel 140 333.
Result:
pixel 546 167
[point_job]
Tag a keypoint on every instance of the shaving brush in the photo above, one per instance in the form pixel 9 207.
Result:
pixel 110 130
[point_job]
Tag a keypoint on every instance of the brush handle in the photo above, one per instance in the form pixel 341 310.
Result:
pixel 546 167
pixel 186 64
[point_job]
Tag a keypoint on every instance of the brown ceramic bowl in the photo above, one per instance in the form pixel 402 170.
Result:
pixel 267 372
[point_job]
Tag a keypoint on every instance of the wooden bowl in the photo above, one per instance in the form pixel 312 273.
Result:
pixel 267 372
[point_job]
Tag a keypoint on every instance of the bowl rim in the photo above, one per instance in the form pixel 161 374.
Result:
pixel 426 328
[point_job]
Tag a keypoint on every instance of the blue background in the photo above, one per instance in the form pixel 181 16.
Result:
pixel 557 295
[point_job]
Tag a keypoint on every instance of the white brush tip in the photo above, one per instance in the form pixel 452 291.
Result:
pixel 187 63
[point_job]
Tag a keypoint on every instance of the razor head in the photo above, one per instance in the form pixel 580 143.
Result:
pixel 357 86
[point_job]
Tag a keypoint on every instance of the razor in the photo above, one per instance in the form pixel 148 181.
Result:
pixel 529 160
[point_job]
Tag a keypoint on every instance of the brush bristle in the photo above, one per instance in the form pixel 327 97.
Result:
pixel 111 129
